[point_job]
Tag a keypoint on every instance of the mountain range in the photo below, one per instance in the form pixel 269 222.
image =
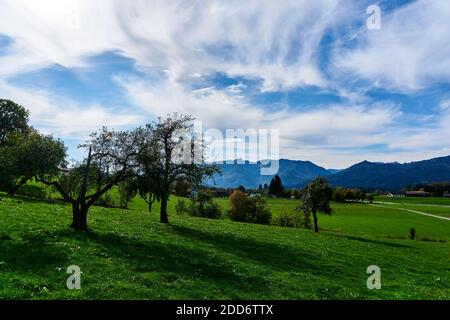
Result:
pixel 366 175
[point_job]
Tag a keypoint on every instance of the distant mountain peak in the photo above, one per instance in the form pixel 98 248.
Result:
pixel 365 174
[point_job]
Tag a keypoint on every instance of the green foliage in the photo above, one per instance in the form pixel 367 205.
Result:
pixel 344 194
pixel 181 188
pixel 288 219
pixel 249 209
pixel 13 119
pixel 127 191
pixel 34 191
pixel 306 220
pixel 203 205
pixel 316 197
pixel 181 208
pixel 276 186
pixel 296 193
pixel 171 151
pixel 28 155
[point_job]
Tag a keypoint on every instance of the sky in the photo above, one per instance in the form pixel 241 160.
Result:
pixel 337 91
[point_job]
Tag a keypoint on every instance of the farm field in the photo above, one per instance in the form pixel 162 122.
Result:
pixel 128 254
pixel 415 200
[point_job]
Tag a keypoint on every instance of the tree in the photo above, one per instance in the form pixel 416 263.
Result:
pixel 203 205
pixel 148 191
pixel 172 152
pixel 127 191
pixel 111 159
pixel 276 186
pixel 30 154
pixel 242 188
pixel 181 188
pixel 316 197
pixel 13 119
pixel 249 209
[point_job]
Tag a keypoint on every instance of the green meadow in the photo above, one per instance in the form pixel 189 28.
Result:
pixel 128 254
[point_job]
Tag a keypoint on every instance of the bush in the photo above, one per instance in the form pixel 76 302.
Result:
pixel 33 192
pixel 258 211
pixel 239 208
pixel 204 206
pixel 249 209
pixel 180 207
pixel 107 201
pixel 289 220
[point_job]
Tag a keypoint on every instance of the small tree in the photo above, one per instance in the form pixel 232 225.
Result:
pixel 276 186
pixel 127 191
pixel 249 209
pixel 316 197
pixel 238 200
pixel 203 205
pixel 147 190
pixel 181 188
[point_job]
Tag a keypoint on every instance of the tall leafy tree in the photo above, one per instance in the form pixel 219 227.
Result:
pixel 276 186
pixel 28 155
pixel 13 119
pixel 172 152
pixel 316 197
pixel 111 159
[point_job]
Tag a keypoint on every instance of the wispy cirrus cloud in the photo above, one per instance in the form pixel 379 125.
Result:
pixel 279 62
pixel 409 53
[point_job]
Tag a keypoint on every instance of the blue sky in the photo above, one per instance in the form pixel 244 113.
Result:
pixel 338 92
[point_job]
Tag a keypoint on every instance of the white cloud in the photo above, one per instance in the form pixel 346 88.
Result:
pixel 215 108
pixel 445 105
pixel 63 117
pixel 411 50
pixel 265 40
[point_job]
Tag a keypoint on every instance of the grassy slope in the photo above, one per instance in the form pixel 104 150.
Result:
pixel 128 254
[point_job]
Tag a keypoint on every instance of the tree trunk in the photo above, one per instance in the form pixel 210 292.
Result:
pixel 150 204
pixel 164 217
pixel 80 209
pixel 17 186
pixel 79 217
pixel 316 226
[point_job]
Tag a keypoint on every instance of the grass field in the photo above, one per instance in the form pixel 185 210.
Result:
pixel 417 200
pixel 128 254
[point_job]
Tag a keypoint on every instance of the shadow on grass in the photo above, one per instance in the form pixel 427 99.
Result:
pixel 35 256
pixel 270 255
pixel 26 199
pixel 384 243
pixel 170 261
